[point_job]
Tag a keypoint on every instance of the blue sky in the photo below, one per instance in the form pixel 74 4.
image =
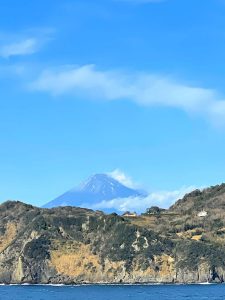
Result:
pixel 91 86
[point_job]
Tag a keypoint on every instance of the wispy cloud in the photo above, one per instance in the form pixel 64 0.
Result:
pixel 25 43
pixel 122 178
pixel 163 199
pixel 24 47
pixel 145 89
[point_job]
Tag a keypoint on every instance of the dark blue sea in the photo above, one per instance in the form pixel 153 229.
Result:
pixel 98 292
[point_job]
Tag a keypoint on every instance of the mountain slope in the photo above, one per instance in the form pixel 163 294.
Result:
pixel 74 245
pixel 97 188
pixel 208 199
pixel 77 245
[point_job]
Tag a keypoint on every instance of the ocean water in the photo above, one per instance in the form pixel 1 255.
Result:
pixel 100 292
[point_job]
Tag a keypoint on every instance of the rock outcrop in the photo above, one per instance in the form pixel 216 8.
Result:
pixel 74 245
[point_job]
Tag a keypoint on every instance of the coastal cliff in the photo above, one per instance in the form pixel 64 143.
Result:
pixel 73 245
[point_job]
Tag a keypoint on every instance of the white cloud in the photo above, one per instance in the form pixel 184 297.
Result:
pixel 163 199
pixel 24 43
pixel 23 47
pixel 122 178
pixel 145 89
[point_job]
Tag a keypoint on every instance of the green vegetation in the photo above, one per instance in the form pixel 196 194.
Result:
pixel 174 245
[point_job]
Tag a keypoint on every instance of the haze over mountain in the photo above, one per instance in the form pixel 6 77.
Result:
pixel 97 188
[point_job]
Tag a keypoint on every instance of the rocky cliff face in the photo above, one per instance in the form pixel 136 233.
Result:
pixel 74 245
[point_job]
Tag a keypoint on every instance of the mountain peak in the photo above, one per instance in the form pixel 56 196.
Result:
pixel 101 177
pixel 97 188
pixel 100 183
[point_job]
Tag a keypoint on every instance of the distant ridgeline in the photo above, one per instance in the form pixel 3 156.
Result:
pixel 184 244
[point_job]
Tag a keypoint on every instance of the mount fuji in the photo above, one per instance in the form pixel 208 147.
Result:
pixel 97 188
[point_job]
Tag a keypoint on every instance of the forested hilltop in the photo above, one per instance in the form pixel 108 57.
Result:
pixel 183 244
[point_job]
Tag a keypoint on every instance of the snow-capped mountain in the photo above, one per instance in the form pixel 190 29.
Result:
pixel 97 188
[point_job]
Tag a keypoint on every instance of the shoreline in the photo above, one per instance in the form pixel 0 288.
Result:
pixel 109 284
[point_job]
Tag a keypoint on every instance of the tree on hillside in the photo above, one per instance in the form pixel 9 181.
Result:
pixel 153 210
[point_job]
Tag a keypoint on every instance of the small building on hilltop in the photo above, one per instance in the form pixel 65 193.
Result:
pixel 129 214
pixel 202 214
